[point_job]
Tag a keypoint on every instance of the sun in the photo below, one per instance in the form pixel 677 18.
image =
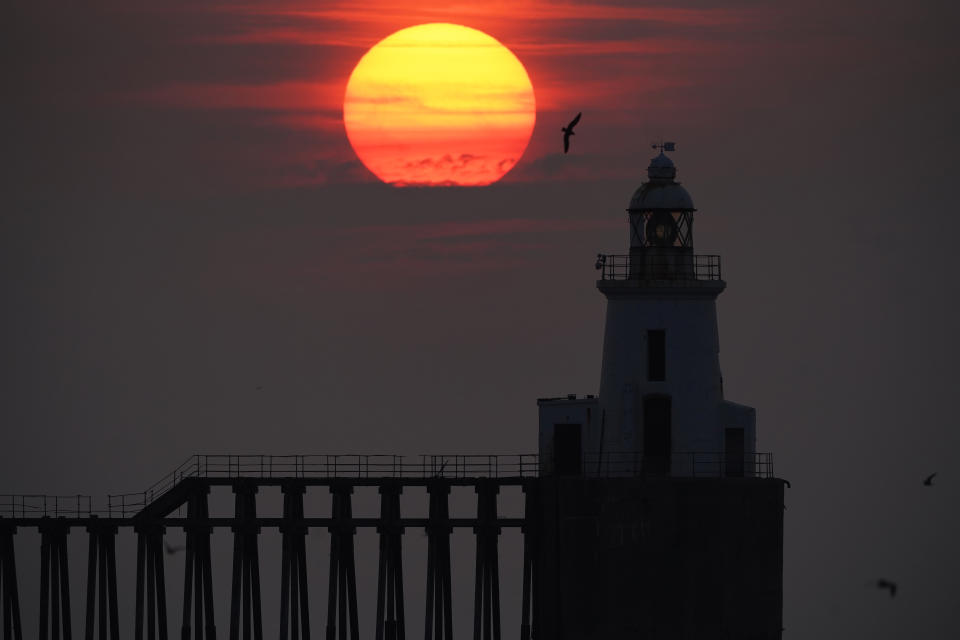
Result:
pixel 439 104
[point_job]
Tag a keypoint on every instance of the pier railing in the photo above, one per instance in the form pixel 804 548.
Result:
pixel 693 464
pixel 44 506
pixel 376 467
pixel 268 467
pixel 358 466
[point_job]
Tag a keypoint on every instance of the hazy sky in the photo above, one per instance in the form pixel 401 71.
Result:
pixel 183 221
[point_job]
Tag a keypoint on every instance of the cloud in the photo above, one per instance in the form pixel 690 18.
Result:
pixel 477 228
pixel 446 162
pixel 559 166
pixel 280 96
pixel 378 11
pixel 640 46
pixel 372 257
pixel 333 171
pixel 354 25
pixel 411 253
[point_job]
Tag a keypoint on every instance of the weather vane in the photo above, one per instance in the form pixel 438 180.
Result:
pixel 664 146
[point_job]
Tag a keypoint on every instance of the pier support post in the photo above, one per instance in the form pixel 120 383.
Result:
pixel 9 595
pixel 342 593
pixel 150 582
pixel 54 581
pixel 531 542
pixel 486 603
pixel 246 565
pixel 294 601
pixel 102 565
pixel 439 614
pixel 197 578
pixel 390 609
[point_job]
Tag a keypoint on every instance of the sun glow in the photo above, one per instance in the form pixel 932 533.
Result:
pixel 439 104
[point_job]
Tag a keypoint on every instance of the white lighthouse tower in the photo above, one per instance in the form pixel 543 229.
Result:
pixel 661 409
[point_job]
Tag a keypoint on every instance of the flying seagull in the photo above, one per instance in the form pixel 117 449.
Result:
pixel 928 481
pixel 886 584
pixel 568 131
pixel 171 550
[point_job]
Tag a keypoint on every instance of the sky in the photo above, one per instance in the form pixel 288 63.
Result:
pixel 184 221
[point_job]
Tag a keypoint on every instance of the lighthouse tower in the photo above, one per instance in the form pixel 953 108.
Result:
pixel 661 409
pixel 657 517
pixel 661 390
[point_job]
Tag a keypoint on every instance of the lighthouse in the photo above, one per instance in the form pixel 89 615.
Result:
pixel 661 409
pixel 661 390
pixel 658 517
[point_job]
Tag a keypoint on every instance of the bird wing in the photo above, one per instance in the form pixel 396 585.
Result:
pixel 929 478
pixel 566 142
pixel 574 122
pixel 889 585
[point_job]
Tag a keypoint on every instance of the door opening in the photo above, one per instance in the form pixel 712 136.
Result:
pixel 656 435
pixel 734 453
pixel 567 452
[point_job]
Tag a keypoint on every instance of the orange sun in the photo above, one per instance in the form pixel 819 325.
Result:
pixel 439 104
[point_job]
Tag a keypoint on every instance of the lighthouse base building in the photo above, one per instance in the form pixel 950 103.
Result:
pixel 660 558
pixel 657 517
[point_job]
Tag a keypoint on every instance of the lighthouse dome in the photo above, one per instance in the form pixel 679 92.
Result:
pixel 661 192
pixel 662 168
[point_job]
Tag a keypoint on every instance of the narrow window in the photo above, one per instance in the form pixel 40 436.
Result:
pixel 656 355
pixel 735 454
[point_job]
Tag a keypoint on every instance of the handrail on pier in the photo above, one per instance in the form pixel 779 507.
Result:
pixel 372 468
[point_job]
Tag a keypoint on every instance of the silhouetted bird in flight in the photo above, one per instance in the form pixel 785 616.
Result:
pixel 171 550
pixel 886 584
pixel 568 131
pixel 928 481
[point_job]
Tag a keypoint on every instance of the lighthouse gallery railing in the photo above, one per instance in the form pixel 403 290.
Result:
pixel 651 266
